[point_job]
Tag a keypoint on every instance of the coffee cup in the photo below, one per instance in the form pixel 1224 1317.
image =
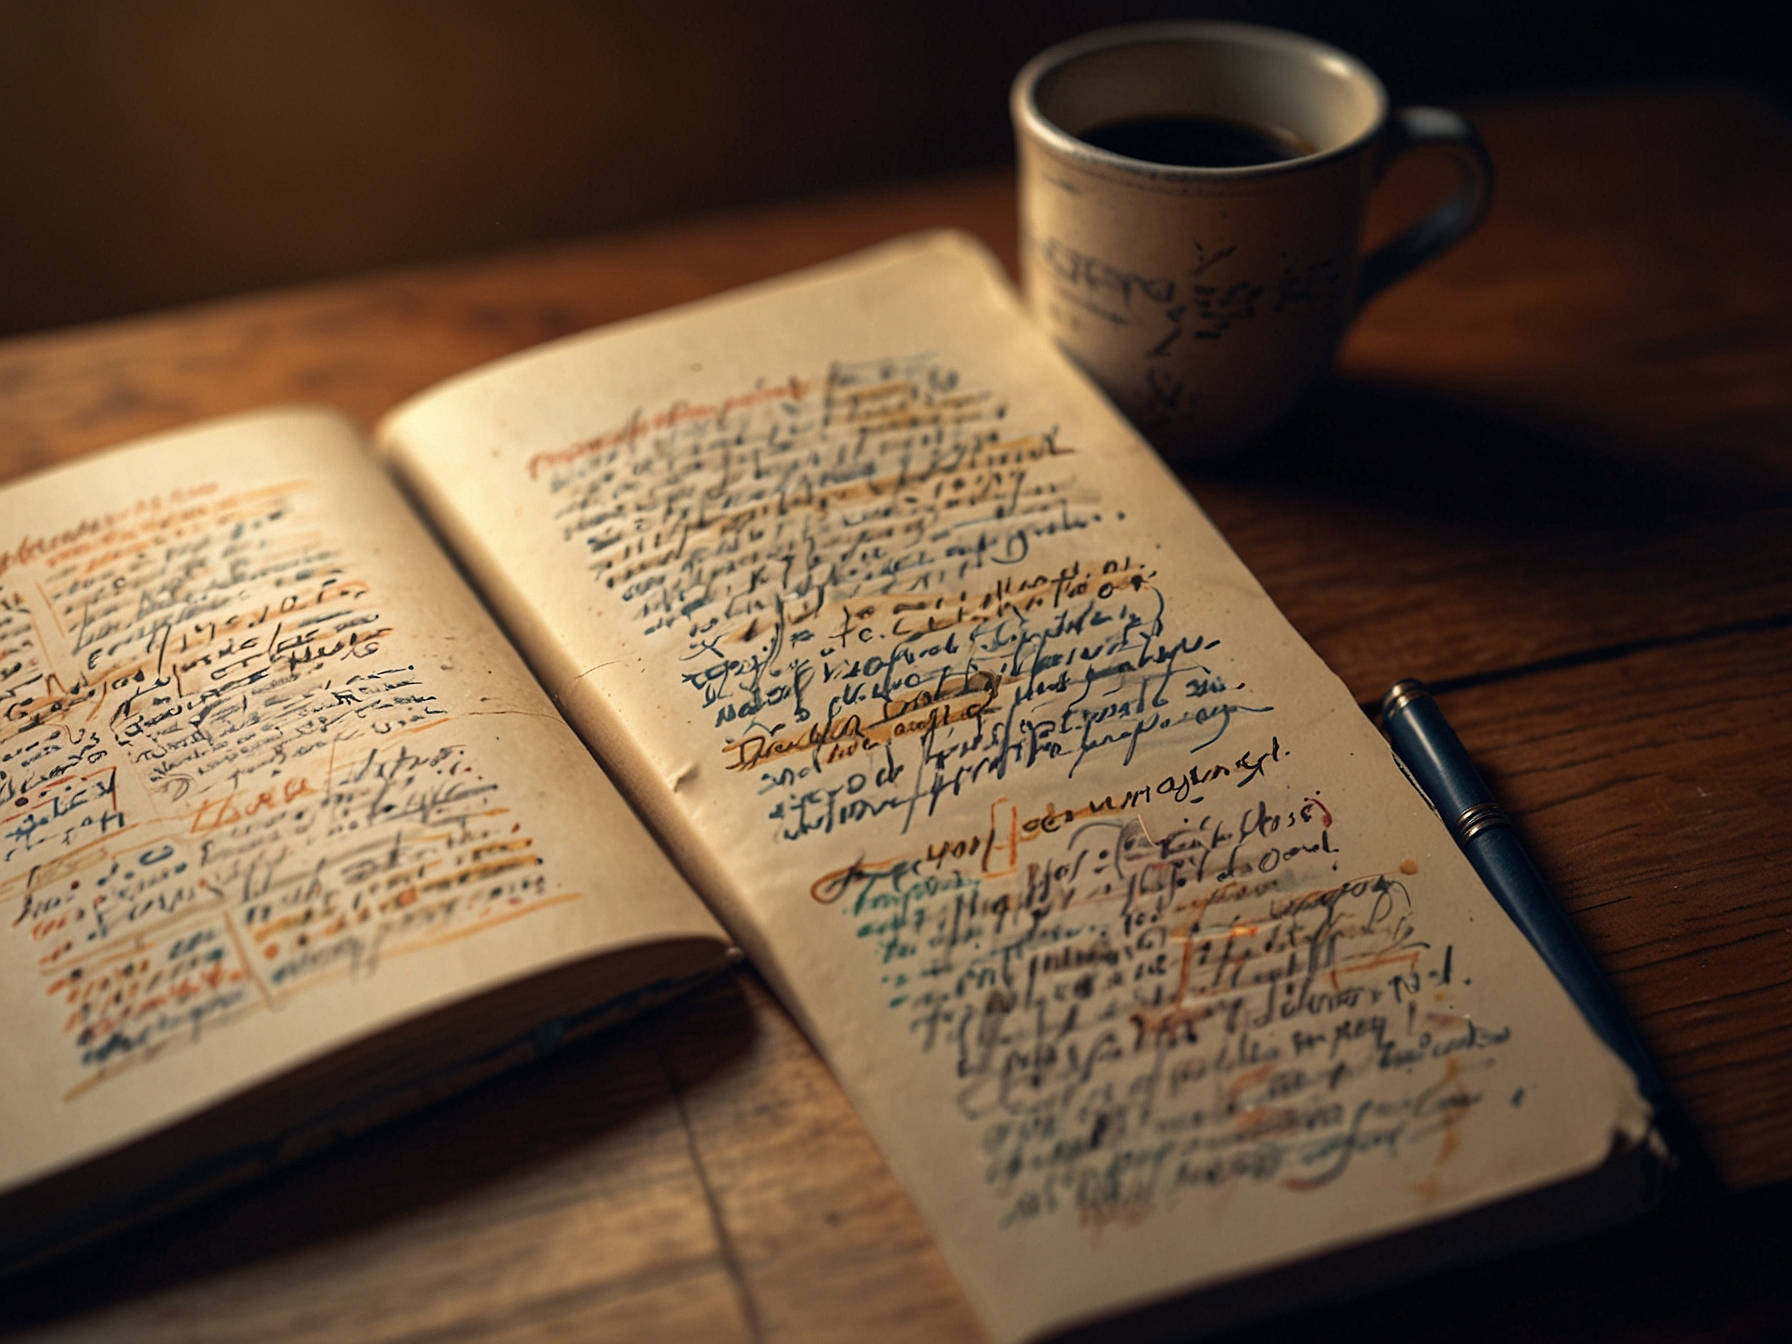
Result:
pixel 1192 197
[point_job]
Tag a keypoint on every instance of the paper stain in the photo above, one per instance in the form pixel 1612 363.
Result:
pixel 1430 1188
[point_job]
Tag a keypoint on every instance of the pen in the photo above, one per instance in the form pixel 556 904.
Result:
pixel 1434 756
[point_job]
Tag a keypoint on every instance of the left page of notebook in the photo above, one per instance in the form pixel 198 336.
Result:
pixel 270 780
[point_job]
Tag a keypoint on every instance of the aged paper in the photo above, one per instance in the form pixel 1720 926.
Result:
pixel 1105 903
pixel 270 779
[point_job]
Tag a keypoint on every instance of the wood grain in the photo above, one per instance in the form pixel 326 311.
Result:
pixel 364 345
pixel 558 1193
pixel 1653 792
pixel 1565 441
pixel 805 1198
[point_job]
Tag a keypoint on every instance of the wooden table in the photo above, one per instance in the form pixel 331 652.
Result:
pixel 1554 479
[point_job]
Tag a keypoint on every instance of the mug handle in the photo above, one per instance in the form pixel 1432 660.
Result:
pixel 1440 230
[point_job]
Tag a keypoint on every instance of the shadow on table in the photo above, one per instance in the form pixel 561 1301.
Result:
pixel 1709 1264
pixel 1420 453
pixel 532 1117
pixel 1529 540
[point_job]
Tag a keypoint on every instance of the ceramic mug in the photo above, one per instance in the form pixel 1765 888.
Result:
pixel 1209 301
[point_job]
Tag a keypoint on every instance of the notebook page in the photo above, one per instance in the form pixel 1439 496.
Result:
pixel 1107 906
pixel 270 780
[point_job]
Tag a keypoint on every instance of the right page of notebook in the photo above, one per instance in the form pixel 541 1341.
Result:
pixel 1106 904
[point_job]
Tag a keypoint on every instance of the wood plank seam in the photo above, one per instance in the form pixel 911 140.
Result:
pixel 743 1292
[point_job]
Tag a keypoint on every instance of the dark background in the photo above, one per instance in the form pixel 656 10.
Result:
pixel 155 152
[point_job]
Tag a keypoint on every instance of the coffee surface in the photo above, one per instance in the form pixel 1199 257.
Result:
pixel 1198 142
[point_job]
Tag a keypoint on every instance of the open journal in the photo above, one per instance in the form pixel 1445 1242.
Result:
pixel 1159 987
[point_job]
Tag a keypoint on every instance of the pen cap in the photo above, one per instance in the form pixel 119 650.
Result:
pixel 1429 746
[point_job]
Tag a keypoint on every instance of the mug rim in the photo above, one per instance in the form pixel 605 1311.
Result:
pixel 1024 101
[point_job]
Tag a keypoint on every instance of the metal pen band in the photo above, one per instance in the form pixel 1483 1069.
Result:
pixel 1400 695
pixel 1479 819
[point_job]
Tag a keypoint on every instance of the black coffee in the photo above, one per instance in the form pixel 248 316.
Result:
pixel 1198 142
